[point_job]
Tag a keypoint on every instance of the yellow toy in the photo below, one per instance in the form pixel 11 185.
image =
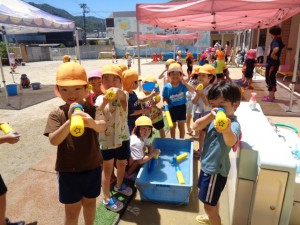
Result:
pixel 199 87
pixel 77 123
pixel 6 128
pixel 221 121
pixel 168 116
pixel 110 94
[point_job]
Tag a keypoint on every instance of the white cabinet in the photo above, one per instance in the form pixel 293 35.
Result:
pixel 268 199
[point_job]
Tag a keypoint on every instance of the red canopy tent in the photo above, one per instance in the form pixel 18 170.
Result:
pixel 220 15
pixel 145 37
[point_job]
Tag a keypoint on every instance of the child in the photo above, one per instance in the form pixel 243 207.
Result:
pixel 114 142
pixel 9 138
pixel 189 64
pixel 113 55
pixel 130 83
pixel 174 95
pixel 178 58
pixel 250 64
pixel 66 58
pixel 206 76
pixel 78 158
pixel 164 73
pixel 238 58
pixel 94 79
pixel 139 143
pixel 150 99
pixel 129 59
pixel 219 64
pixel 189 105
pixel 215 163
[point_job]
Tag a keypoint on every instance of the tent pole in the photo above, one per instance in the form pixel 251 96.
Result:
pixel 174 54
pixel 4 82
pixel 77 46
pixel 295 71
pixel 138 46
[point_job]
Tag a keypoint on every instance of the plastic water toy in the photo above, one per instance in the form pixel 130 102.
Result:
pixel 168 116
pixel 153 163
pixel 6 128
pixel 221 119
pixel 77 123
pixel 199 87
pixel 110 94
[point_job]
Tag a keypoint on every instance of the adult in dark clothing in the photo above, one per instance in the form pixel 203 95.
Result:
pixel 273 62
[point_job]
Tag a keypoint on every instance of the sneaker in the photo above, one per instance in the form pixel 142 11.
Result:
pixel 15 223
pixel 202 219
pixel 267 99
pixel 125 190
pixel 113 205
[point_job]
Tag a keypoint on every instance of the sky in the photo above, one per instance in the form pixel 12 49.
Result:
pixel 98 8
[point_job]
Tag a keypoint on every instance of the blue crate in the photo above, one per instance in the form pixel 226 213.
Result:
pixel 161 185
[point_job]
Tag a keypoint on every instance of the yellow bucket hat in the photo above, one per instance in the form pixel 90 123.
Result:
pixel 169 62
pixel 208 69
pixel 71 74
pixel 129 76
pixel 175 67
pixel 112 69
pixel 143 121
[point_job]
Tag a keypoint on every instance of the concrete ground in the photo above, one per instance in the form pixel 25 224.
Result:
pixel 28 167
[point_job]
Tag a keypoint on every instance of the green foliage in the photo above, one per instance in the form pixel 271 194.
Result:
pixel 3 52
pixel 62 45
pixel 92 23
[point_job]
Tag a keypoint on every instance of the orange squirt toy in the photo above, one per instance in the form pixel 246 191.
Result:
pixel 110 94
pixel 221 121
pixel 77 123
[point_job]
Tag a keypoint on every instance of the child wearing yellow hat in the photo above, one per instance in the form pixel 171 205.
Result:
pixel 164 74
pixel 174 97
pixel 114 142
pixel 66 58
pixel 78 158
pixel 219 64
pixel 129 59
pixel 139 143
pixel 135 110
pixel 150 99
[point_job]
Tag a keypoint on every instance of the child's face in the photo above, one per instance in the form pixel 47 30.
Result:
pixel 203 78
pixel 71 94
pixel 145 131
pixel 96 84
pixel 220 102
pixel 175 76
pixel 135 85
pixel 110 80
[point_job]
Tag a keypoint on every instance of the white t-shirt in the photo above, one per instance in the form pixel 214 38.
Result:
pixel 199 107
pixel 137 147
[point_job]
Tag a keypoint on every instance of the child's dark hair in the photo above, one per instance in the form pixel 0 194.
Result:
pixel 212 78
pixel 137 131
pixel 275 30
pixel 228 90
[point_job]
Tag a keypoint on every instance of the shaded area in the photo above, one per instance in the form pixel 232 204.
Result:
pixel 26 97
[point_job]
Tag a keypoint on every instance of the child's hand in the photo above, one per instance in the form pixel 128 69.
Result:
pixel 146 111
pixel 155 152
pixel 71 108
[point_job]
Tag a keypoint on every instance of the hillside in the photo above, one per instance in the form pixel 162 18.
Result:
pixel 92 23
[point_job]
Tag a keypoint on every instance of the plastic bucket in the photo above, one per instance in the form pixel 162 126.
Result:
pixel 12 89
pixel 36 86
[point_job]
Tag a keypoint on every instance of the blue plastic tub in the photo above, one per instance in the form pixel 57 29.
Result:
pixel 161 185
pixel 12 89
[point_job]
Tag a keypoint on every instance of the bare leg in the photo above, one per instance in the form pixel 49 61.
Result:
pixel 121 165
pixel 89 210
pixel 2 209
pixel 173 129
pixel 213 214
pixel 188 123
pixel 162 133
pixel 108 166
pixel 72 213
pixel 181 127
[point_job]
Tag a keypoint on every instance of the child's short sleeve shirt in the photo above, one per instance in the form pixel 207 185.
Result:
pixel 175 95
pixel 137 147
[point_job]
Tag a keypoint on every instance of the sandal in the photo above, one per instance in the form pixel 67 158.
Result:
pixel 203 219
pixel 113 205
pixel 125 190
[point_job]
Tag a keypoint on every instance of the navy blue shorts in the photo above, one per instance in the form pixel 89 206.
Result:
pixel 211 187
pixel 74 186
pixel 159 125
pixel 120 153
pixel 178 113
pixel 3 188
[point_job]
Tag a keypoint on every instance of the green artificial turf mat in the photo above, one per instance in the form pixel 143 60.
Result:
pixel 107 217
